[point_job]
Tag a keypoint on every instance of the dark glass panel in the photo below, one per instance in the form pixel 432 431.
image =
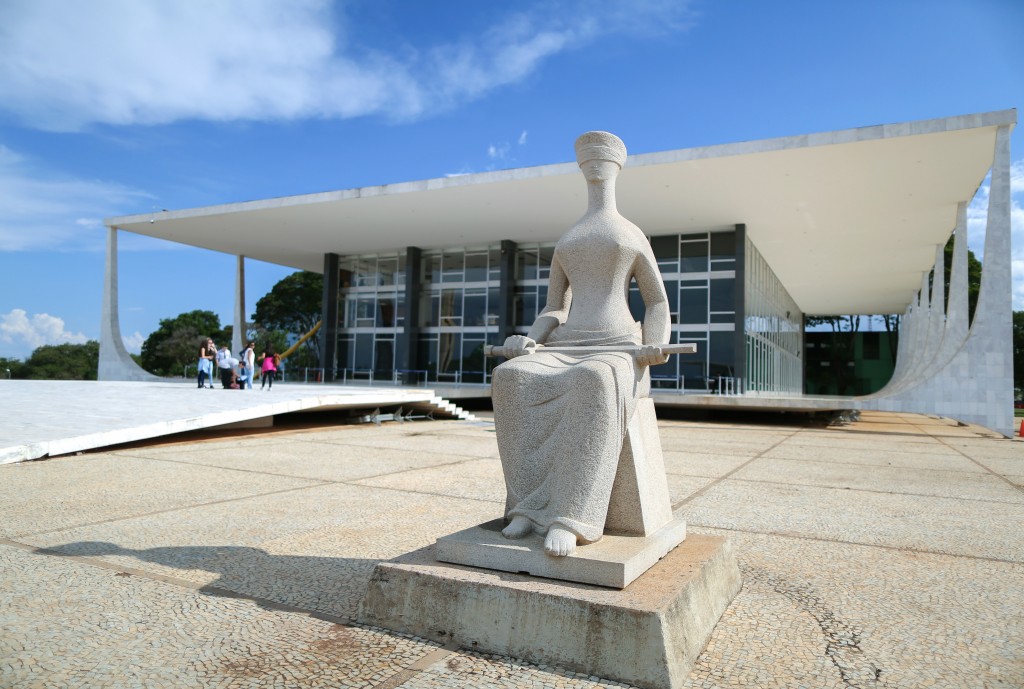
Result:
pixel 385 312
pixel 723 244
pixel 476 267
pixel 693 305
pixel 474 307
pixel 449 353
pixel 384 359
pixel 636 304
pixel 693 257
pixel 363 359
pixel 723 293
pixel 451 307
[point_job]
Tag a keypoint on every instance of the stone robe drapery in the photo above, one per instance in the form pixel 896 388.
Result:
pixel 560 421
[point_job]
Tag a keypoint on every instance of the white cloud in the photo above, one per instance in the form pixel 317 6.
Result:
pixel 23 333
pixel 498 152
pixel 133 342
pixel 66 65
pixel 522 139
pixel 43 210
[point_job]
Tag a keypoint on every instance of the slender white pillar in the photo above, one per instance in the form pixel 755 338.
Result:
pixel 238 326
pixel 114 362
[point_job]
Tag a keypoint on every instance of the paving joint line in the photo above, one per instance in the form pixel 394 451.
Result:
pixel 877 492
pixel 715 482
pixel 322 481
pixel 166 511
pixel 880 546
pixel 994 473
pixel 881 466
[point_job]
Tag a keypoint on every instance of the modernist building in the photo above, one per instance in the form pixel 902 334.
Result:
pixel 749 237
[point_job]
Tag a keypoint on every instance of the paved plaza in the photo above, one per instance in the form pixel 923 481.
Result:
pixel 884 553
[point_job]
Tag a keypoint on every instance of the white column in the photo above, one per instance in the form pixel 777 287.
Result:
pixel 238 329
pixel 114 361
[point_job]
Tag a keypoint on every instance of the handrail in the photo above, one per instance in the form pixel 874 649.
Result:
pixel 291 350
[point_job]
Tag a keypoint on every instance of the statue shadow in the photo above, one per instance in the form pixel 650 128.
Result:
pixel 327 588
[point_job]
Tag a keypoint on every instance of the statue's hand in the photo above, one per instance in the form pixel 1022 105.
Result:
pixel 649 355
pixel 518 345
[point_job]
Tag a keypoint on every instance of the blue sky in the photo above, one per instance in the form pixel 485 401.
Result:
pixel 111 108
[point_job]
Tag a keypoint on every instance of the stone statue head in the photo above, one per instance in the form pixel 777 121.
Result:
pixel 600 146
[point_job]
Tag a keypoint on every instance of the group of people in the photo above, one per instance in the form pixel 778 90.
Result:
pixel 237 374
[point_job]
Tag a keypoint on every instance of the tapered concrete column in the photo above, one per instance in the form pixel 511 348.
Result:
pixel 238 330
pixel 114 362
pixel 957 314
pixel 977 384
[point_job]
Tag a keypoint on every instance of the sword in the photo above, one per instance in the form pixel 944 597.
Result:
pixel 686 348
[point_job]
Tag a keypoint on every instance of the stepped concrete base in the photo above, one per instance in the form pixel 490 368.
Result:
pixel 648 634
pixel 613 561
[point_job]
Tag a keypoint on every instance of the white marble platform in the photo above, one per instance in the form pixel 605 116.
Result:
pixel 614 561
pixel 40 418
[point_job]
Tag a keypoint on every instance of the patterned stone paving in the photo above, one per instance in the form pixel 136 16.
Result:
pixel 887 553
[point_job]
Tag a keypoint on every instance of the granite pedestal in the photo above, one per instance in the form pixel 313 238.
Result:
pixel 648 634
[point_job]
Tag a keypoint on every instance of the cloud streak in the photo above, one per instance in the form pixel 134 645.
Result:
pixel 40 209
pixel 66 66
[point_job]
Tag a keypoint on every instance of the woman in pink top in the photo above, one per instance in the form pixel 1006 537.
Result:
pixel 268 369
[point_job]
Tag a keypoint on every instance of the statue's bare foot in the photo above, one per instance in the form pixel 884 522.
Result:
pixel 559 542
pixel 518 528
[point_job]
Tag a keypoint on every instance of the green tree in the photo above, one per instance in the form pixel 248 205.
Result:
pixel 11 368
pixel 973 277
pixel 64 362
pixel 1018 352
pixel 294 305
pixel 175 344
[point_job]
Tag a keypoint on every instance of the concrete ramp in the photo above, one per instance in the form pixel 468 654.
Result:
pixel 41 418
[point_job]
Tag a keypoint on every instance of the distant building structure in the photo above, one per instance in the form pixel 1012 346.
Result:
pixel 750 238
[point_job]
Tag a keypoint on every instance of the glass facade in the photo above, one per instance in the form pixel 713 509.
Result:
pixel 722 296
pixel 699 271
pixel 371 314
pixel 458 314
pixel 773 330
pixel 532 270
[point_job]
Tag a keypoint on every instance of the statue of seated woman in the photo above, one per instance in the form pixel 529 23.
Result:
pixel 561 417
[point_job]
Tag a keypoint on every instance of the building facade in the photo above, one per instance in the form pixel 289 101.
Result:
pixel 750 237
pixel 424 316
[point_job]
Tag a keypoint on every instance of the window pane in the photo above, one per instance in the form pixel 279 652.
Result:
pixel 723 296
pixel 475 308
pixel 451 266
pixel 693 305
pixel 451 307
pixel 386 312
pixel 693 257
pixel 636 305
pixel 723 245
pixel 526 264
pixel 545 256
pixel 386 268
pixel 449 349
pixel 364 353
pixel 476 267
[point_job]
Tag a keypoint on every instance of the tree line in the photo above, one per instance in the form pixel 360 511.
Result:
pixel 290 310
pixel 293 307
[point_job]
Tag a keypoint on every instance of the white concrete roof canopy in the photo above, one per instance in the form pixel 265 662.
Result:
pixel 849 219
